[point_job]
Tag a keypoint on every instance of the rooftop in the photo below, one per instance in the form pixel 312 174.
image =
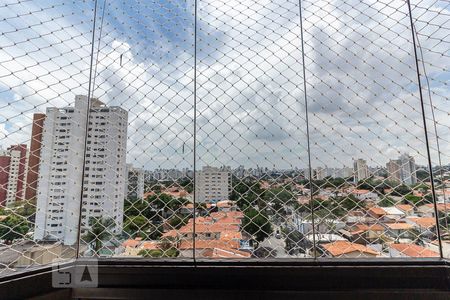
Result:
pixel 413 250
pixel 340 248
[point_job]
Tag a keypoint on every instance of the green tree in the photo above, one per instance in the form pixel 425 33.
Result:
pixel 187 184
pixel 28 208
pixel 257 224
pixel 137 207
pixel 176 221
pixel 166 202
pixel 365 184
pixel 401 190
pixel 157 253
pixel 153 253
pixel 13 227
pixel 140 226
pixel 387 201
pixel 295 241
pixel 423 175
pixel 247 193
pixel 137 226
pixel 282 194
pixel 99 232
pixel 413 200
pixel 350 202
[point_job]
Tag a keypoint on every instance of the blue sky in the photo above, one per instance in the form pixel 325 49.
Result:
pixel 359 71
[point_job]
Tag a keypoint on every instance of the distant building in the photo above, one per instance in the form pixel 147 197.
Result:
pixel 13 165
pixel 239 172
pixel 135 182
pixel 167 174
pixel 320 173
pixel 61 169
pixel 212 184
pixel 393 170
pixel 34 157
pixel 360 169
pixel 402 170
pixel 345 172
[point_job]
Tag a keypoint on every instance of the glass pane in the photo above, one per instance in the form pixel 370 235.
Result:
pixel 138 189
pixel 372 195
pixel 251 132
pixel 44 64
pixel 432 30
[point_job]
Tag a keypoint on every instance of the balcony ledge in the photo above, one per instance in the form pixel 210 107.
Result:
pixel 342 278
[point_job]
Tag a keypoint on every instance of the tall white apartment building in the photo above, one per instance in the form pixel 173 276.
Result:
pixel 13 174
pixel 9 176
pixel 402 169
pixel 360 169
pixel 212 184
pixel 319 173
pixel 135 182
pixel 61 169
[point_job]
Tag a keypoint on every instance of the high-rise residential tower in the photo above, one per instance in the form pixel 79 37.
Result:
pixel 135 182
pixel 402 170
pixel 34 156
pixel 360 169
pixel 13 169
pixel 61 176
pixel 212 184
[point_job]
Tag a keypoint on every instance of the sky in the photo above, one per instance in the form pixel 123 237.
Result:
pixel 362 95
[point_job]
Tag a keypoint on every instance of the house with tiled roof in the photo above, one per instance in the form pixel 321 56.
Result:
pixel 364 195
pixel 132 247
pixel 206 248
pixel 422 222
pixel 226 206
pixel 365 233
pixel 345 249
pixel 376 212
pixel 410 250
pixel 399 230
pixel 386 214
pixel 428 210
pixel 426 226
pixel 407 209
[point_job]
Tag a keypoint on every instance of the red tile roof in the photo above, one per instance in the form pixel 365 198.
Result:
pixel 399 226
pixel 339 248
pixel 366 227
pixel 150 245
pixel 377 211
pixel 229 253
pixel 207 244
pixel 170 233
pixel 230 235
pixel 131 243
pixel 360 192
pixel 231 214
pixel 413 250
pixel 225 204
pixel 405 207
pixel 442 207
pixel 208 228
pixel 425 222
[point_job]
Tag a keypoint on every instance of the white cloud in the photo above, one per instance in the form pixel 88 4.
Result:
pixel 360 81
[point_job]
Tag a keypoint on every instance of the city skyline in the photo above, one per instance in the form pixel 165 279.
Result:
pixel 39 117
